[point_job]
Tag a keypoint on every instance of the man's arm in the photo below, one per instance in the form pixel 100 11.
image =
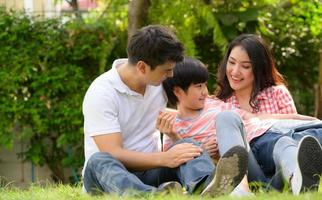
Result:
pixel 174 157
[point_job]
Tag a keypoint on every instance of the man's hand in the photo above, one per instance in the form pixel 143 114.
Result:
pixel 165 125
pixel 211 146
pixel 180 154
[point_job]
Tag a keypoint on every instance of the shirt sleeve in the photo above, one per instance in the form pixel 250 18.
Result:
pixel 100 113
pixel 285 101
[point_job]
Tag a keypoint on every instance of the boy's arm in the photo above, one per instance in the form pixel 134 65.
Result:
pixel 165 123
pixel 177 155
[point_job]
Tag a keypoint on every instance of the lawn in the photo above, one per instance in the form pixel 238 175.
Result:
pixel 66 192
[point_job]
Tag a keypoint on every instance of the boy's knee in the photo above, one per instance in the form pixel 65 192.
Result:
pixel 228 116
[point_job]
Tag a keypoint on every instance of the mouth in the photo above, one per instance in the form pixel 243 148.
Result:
pixel 235 79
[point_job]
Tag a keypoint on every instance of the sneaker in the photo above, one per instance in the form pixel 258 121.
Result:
pixel 170 187
pixel 307 174
pixel 230 170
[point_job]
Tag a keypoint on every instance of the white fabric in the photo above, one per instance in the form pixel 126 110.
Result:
pixel 110 106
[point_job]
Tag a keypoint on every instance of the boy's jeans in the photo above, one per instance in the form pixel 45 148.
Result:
pixel 105 173
pixel 230 132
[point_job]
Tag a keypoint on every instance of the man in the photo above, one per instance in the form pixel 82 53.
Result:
pixel 120 110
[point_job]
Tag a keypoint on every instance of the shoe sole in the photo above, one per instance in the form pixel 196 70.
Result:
pixel 310 164
pixel 170 187
pixel 230 170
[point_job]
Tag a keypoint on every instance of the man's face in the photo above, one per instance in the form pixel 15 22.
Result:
pixel 160 73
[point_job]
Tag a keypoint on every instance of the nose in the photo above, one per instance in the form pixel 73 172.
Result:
pixel 234 70
pixel 205 90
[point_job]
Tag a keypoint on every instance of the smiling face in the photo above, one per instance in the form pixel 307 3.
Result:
pixel 239 70
pixel 194 98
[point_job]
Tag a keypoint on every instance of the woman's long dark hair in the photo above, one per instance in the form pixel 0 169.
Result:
pixel 263 67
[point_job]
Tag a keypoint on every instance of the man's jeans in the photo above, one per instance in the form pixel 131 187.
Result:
pixel 278 147
pixel 105 173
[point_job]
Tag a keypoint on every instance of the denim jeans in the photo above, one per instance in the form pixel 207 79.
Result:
pixel 230 132
pixel 278 147
pixel 105 173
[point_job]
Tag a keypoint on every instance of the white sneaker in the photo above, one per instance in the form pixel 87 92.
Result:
pixel 309 166
pixel 230 170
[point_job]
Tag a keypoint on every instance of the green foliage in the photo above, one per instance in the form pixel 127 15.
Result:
pixel 46 67
pixel 295 32
pixel 292 27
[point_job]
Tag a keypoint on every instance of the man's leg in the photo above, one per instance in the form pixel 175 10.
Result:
pixel 104 173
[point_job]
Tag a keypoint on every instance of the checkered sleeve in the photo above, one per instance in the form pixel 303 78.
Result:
pixel 285 101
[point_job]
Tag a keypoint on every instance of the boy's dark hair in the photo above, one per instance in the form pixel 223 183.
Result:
pixel 187 72
pixel 154 45
pixel 263 66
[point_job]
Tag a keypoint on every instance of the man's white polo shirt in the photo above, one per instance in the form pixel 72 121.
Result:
pixel 110 106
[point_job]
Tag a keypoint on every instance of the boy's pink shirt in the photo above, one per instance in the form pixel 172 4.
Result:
pixel 203 126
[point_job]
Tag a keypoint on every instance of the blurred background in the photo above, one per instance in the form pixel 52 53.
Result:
pixel 51 50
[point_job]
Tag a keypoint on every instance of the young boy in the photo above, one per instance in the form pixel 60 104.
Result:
pixel 280 145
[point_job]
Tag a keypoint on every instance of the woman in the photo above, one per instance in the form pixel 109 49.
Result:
pixel 248 78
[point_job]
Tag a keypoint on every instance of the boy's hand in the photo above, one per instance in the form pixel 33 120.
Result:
pixel 211 146
pixel 165 125
pixel 180 154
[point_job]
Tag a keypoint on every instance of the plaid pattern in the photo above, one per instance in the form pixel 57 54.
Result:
pixel 273 100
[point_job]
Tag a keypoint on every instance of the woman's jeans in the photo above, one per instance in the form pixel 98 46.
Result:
pixel 277 148
pixel 264 154
pixel 105 173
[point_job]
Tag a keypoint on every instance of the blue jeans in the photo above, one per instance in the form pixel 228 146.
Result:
pixel 105 173
pixel 231 132
pixel 279 146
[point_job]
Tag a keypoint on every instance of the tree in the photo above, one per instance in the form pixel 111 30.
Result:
pixel 137 15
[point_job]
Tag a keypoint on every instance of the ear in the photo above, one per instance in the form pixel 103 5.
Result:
pixel 142 66
pixel 177 91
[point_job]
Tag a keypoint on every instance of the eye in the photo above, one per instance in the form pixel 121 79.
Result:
pixel 247 66
pixel 231 62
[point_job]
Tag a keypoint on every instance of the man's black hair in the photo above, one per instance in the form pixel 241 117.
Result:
pixel 155 45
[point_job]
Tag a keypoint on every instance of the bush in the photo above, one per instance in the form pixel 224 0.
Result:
pixel 45 69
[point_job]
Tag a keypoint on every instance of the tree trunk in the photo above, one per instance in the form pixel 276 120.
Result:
pixel 74 5
pixel 138 12
pixel 318 92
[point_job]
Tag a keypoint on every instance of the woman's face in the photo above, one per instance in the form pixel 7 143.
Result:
pixel 239 70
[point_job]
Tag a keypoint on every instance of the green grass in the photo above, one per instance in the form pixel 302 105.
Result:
pixel 66 192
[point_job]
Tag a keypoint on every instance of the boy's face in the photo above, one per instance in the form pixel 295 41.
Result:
pixel 194 98
pixel 159 74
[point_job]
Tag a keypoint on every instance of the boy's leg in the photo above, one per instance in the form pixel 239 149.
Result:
pixel 230 132
pixel 197 172
pixel 200 174
pixel 104 173
pixel 231 169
